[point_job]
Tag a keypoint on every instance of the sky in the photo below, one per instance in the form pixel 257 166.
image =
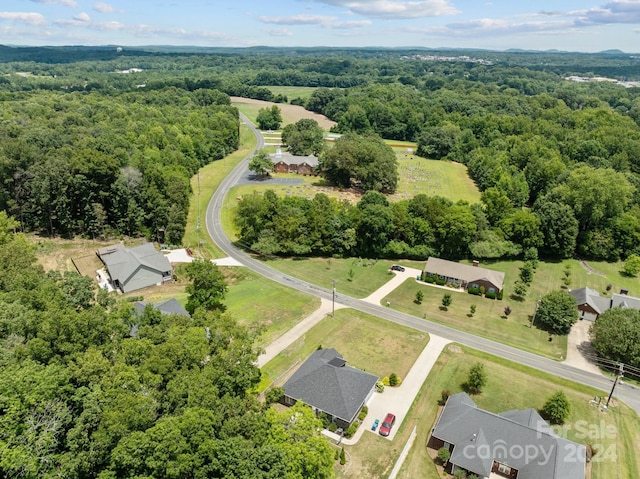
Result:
pixel 573 25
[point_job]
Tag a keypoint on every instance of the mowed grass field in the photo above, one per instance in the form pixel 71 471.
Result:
pixel 292 92
pixel 366 342
pixel 509 386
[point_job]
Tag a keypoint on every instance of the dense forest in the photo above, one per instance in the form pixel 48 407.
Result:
pixel 82 396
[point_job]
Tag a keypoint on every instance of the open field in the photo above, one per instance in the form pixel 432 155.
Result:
pixel 290 113
pixel 434 178
pixel 292 92
pixel 257 301
pixel 366 342
pixel 614 433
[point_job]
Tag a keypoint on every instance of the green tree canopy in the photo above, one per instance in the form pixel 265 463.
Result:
pixel 557 408
pixel 557 312
pixel 261 163
pixel 208 286
pixel 616 335
pixel 304 137
pixel 269 118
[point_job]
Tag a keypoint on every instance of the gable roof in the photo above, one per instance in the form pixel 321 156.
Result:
pixel 592 298
pixel 624 301
pixel 289 159
pixel 464 272
pixel 170 306
pixel 326 383
pixel 125 264
pixel 519 439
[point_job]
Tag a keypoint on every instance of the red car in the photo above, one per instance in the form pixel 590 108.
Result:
pixel 387 424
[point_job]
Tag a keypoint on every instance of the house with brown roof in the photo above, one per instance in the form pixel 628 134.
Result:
pixel 463 275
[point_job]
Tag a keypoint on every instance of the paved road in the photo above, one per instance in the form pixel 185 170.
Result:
pixel 625 392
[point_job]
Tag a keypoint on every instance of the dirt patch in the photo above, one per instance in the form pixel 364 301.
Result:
pixel 290 113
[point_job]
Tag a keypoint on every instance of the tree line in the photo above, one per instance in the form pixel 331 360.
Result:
pixel 118 164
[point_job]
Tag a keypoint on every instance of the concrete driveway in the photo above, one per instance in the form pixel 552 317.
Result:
pixel 579 347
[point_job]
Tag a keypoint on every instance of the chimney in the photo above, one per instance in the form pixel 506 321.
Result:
pixel 624 291
pixel 476 263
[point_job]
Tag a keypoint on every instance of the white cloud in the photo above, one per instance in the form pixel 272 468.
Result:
pixel 103 7
pixel 320 20
pixel 68 3
pixel 493 27
pixel 30 18
pixel 82 17
pixel 616 11
pixel 396 8
pixel 297 20
pixel 279 32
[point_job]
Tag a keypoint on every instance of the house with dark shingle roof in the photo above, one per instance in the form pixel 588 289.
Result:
pixel 329 386
pixel 516 444
pixel 591 304
pixel 135 268
pixel 464 275
pixel 170 306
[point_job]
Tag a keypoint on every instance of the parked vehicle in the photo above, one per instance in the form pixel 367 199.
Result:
pixel 387 424
pixel 397 267
pixel 375 424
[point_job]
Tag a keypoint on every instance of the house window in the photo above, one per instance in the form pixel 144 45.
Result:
pixel 502 469
pixel 475 285
pixel 492 290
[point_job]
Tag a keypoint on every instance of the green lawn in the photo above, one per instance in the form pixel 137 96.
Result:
pixel 434 178
pixel 615 433
pixel 366 342
pixel 257 301
pixel 292 92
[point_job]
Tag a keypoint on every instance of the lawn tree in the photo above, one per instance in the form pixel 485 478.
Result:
pixel 419 296
pixel 261 163
pixel 362 160
pixel 208 287
pixel 520 289
pixel 632 266
pixel 305 137
pixel 557 408
pixel 616 335
pixel 446 300
pixel 476 379
pixel 472 310
pixel 507 310
pixel 269 118
pixel 557 312
pixel 526 272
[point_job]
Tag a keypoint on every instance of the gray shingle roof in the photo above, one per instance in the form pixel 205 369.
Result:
pixel 134 268
pixel 170 306
pixel 592 298
pixel 519 439
pixel 464 272
pixel 336 390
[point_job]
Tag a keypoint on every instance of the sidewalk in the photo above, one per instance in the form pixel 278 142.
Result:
pixel 280 344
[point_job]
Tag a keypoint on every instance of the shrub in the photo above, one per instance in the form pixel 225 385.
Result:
pixel 490 295
pixel 472 309
pixel 336 456
pixel 333 427
pixel 393 379
pixel 363 413
pixel 419 297
pixel 351 430
pixel 473 290
pixel 440 282
pixel 274 395
pixel 444 395
pixel 444 454
pixel 343 458
pixel 325 420
pixel 557 408
pixel 481 289
pixel 500 294
pixel 429 279
pixel 379 386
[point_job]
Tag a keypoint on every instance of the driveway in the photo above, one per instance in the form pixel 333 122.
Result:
pixel 393 283
pixel 579 347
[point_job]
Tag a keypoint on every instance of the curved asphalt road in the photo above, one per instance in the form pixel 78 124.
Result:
pixel 627 393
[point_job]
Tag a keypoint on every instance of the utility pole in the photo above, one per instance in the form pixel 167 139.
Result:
pixel 615 382
pixel 534 313
pixel 333 305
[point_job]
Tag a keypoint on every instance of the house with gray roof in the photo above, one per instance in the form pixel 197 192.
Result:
pixel 329 386
pixel 516 444
pixel 464 275
pixel 135 268
pixel 591 304
pixel 288 163
pixel 170 306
